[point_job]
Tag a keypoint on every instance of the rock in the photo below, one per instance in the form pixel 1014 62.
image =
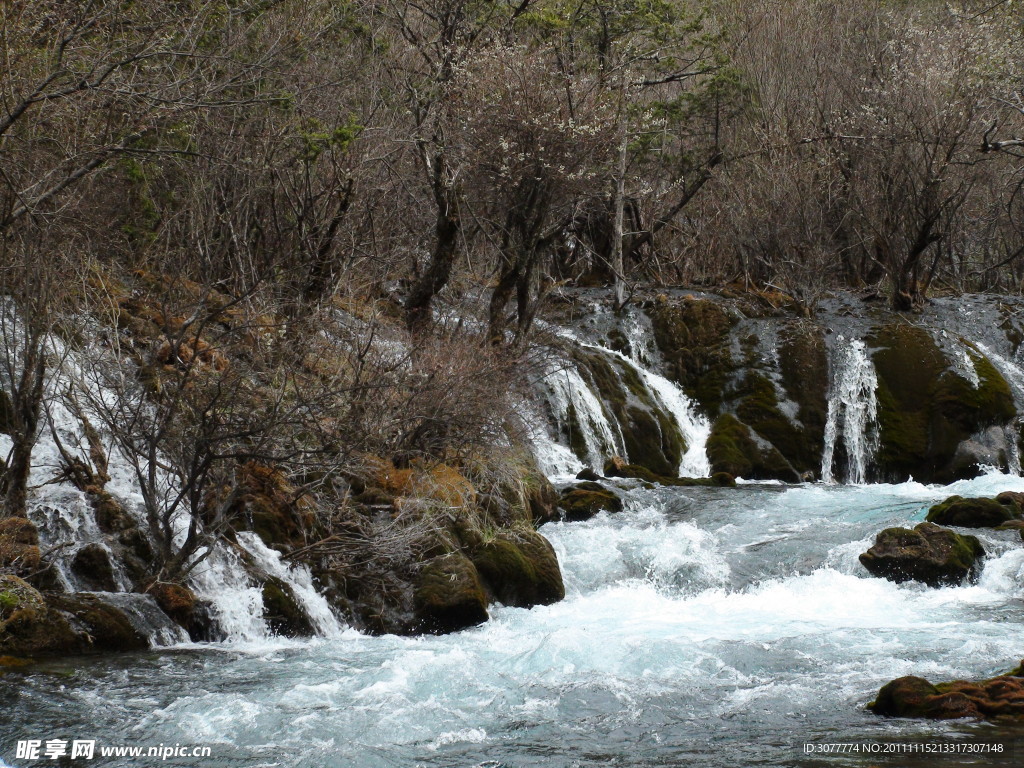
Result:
pixel 448 595
pixel 91 564
pixel 178 602
pixel 588 474
pixel 19 546
pixel 583 501
pixel 519 568
pixel 928 553
pixel 614 465
pixel 33 624
pixel 282 611
pixel 971 513
pixel 1011 497
pixel 637 472
pixel 733 448
pixel 1001 696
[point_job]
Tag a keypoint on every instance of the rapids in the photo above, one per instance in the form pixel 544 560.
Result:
pixel 713 627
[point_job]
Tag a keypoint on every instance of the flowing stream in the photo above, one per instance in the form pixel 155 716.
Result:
pixel 718 627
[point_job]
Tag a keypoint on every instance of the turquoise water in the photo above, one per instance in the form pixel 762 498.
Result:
pixel 713 627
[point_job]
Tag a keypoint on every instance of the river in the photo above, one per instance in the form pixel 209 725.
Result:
pixel 712 627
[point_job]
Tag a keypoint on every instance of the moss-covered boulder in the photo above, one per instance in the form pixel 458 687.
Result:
pixel 999 697
pixel 184 608
pixel 735 450
pixel 584 500
pixel 926 409
pixel 519 568
pixel 972 513
pixel 692 335
pixel 615 467
pixel 33 624
pixel 448 595
pixel 283 612
pixel 803 365
pixel 927 553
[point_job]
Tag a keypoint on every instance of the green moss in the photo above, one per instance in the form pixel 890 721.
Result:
pixel 282 611
pixel 584 501
pixel 803 363
pixel 693 337
pixel 732 450
pixel 448 595
pixel 972 513
pixel 926 409
pixel 520 569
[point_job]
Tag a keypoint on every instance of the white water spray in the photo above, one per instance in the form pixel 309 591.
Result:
pixel 852 411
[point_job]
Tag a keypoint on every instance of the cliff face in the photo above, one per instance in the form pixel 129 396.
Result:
pixel 857 393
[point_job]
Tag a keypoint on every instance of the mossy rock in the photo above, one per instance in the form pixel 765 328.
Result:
pixel 652 438
pixel 91 564
pixel 926 409
pixel 110 516
pixel 972 513
pixel 1000 697
pixel 692 335
pixel 932 555
pixel 732 450
pixel 282 611
pixel 757 406
pixel 34 624
pixel 520 569
pixel 614 468
pixel 177 601
pixel 803 363
pixel 448 595
pixel 584 500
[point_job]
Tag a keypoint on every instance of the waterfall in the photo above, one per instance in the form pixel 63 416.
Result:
pixel 694 427
pixel 852 411
pixel 577 408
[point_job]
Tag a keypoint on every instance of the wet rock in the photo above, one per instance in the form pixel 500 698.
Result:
pixel 519 568
pixel 999 697
pixel 1011 497
pixel 182 606
pixel 637 472
pixel 735 450
pixel 972 513
pixel 449 596
pixel 929 554
pixel 584 500
pixel 91 564
pixel 282 611
pixel 588 474
pixel 33 624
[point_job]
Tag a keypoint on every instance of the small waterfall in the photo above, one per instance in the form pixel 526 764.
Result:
pixel 852 411
pixel 298 578
pixel 576 408
pixel 694 427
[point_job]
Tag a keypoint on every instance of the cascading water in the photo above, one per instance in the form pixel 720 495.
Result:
pixel 575 406
pixel 852 411
pixel 694 427
pixel 684 639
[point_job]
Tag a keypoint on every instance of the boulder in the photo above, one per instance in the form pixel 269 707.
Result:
pixel 588 474
pixel 185 609
pixel 618 468
pixel 519 568
pixel 928 553
pixel 91 564
pixel 282 612
pixel 1001 696
pixel 448 595
pixel 584 500
pixel 972 513
pixel 36 624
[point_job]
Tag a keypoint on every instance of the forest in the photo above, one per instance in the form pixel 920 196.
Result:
pixel 314 232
